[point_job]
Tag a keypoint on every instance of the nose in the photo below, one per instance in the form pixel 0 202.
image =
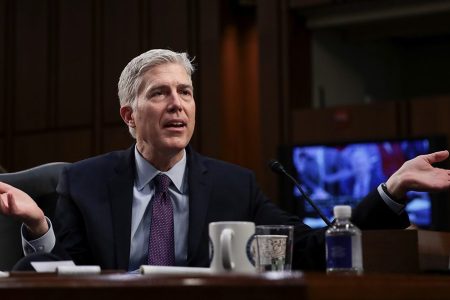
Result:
pixel 175 102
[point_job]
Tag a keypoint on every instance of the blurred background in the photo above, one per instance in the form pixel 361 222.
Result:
pixel 270 73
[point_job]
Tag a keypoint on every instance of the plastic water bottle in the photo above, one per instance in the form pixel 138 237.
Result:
pixel 343 244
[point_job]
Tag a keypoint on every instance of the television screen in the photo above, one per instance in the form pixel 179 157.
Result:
pixel 342 174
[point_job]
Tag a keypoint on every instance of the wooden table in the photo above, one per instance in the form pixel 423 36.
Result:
pixel 294 286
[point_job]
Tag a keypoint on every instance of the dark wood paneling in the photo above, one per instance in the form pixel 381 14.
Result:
pixel 375 121
pixel 299 63
pixel 121 43
pixel 207 89
pixel 271 74
pixel 2 66
pixel 73 145
pixel 308 3
pixel 32 150
pixel 116 138
pixel 75 63
pixel 430 116
pixel 169 24
pixel 239 98
pixel 2 157
pixel 31 91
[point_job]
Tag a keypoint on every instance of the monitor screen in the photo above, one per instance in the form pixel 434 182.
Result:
pixel 342 174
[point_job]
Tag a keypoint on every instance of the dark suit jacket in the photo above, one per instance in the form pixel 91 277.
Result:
pixel 93 217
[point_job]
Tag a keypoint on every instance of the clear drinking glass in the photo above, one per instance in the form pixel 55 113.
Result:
pixel 273 247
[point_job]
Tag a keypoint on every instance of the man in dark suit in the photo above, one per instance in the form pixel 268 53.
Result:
pixel 109 211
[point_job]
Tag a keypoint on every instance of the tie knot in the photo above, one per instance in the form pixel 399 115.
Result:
pixel 162 183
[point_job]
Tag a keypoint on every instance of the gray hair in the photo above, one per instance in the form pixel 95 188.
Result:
pixel 130 79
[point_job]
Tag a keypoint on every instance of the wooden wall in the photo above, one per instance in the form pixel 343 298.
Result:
pixel 418 117
pixel 60 61
pixel 358 122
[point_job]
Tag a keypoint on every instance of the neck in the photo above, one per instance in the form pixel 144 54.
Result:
pixel 161 160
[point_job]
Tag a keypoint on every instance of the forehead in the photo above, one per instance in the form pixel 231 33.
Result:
pixel 166 74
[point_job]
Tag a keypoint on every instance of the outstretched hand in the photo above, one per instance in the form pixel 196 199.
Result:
pixel 418 174
pixel 16 203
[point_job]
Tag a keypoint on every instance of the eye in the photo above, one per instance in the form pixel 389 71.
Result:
pixel 186 92
pixel 156 94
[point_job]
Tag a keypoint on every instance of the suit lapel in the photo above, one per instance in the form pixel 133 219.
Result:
pixel 121 196
pixel 199 195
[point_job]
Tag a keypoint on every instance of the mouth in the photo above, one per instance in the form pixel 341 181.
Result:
pixel 175 124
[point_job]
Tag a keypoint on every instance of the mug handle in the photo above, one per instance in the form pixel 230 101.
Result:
pixel 225 243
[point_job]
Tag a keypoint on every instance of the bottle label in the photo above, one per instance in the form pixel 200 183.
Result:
pixel 339 251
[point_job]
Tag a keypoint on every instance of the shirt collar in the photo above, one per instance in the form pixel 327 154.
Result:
pixel 145 171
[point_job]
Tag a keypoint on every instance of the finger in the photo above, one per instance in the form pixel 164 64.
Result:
pixel 3 205
pixel 436 156
pixel 4 187
pixel 11 203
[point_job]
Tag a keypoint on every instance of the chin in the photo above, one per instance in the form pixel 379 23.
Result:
pixel 176 146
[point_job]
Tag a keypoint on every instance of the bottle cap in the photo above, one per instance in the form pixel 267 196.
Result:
pixel 342 211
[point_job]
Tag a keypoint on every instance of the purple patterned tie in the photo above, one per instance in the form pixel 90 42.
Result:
pixel 161 249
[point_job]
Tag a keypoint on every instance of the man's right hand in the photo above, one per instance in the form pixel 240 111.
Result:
pixel 16 203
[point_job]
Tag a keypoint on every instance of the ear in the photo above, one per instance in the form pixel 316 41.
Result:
pixel 126 112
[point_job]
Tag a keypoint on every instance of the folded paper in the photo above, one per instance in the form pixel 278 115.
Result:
pixel 165 270
pixel 78 270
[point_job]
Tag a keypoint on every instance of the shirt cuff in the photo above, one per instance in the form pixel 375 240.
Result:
pixel 393 205
pixel 42 244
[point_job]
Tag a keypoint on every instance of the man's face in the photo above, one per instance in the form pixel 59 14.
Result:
pixel 164 115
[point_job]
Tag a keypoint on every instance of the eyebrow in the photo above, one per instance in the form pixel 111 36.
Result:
pixel 184 86
pixel 181 85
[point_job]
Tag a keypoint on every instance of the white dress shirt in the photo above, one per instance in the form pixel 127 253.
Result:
pixel 143 191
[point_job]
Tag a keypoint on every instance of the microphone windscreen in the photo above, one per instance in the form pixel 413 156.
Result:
pixel 275 166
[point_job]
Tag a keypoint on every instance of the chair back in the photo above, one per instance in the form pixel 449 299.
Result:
pixel 40 183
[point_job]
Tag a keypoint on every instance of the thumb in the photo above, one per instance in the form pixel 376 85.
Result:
pixel 437 156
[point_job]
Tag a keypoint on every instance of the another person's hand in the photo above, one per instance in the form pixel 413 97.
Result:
pixel 418 174
pixel 16 203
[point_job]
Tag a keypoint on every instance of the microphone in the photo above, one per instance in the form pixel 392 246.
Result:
pixel 276 167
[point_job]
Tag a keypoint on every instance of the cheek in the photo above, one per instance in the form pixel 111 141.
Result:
pixel 147 121
pixel 192 112
pixel 150 113
pixel 192 121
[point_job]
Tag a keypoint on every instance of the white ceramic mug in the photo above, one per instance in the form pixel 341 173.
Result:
pixel 230 247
